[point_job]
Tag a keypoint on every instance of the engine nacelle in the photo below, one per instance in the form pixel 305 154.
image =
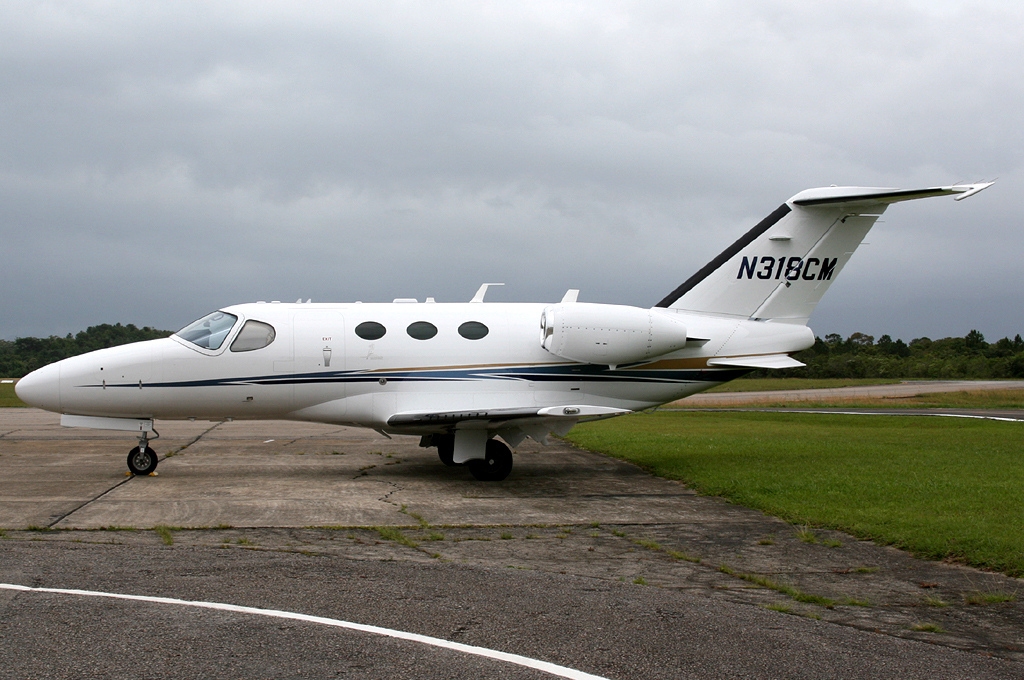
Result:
pixel 609 334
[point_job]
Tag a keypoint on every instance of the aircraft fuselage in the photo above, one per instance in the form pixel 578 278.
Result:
pixel 317 368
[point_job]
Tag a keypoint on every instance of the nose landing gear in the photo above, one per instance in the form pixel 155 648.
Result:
pixel 142 459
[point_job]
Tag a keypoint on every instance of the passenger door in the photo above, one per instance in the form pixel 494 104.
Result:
pixel 319 359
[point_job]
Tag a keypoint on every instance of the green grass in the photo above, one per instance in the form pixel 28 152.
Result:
pixel 679 555
pixel 165 534
pixel 782 588
pixel 940 488
pixel 774 384
pixel 967 399
pixel 806 535
pixel 989 598
pixel 8 398
pixel 395 534
pixel 978 399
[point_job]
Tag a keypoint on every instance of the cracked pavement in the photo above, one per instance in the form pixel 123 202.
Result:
pixel 347 496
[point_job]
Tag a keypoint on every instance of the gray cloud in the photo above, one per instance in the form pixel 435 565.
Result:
pixel 160 160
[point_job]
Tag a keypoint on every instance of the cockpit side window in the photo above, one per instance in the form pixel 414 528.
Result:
pixel 254 335
pixel 210 331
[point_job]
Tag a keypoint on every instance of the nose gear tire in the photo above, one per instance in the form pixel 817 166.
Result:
pixel 142 463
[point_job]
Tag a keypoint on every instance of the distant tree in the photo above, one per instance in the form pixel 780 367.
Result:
pixel 921 343
pixel 975 341
pixel 860 340
pixel 897 348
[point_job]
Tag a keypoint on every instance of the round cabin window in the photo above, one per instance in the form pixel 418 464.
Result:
pixel 370 330
pixel 422 330
pixel 473 330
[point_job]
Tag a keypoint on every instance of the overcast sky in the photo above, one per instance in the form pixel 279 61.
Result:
pixel 160 160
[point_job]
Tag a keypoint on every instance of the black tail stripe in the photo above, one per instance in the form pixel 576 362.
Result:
pixel 727 254
pixel 903 195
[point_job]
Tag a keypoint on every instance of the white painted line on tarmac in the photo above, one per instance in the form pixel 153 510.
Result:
pixel 553 669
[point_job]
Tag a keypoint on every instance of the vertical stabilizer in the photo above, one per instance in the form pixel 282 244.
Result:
pixel 780 269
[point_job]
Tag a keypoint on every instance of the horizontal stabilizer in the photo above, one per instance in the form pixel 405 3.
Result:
pixel 762 361
pixel 852 195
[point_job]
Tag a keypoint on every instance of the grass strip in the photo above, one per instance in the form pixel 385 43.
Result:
pixel 8 398
pixel 775 384
pixel 963 399
pixel 782 588
pixel 784 608
pixel 942 488
pixel 395 534
pixel 165 534
pixel 989 598
pixel 927 628
pixel 657 547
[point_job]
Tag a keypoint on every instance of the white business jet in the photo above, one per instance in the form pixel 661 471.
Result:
pixel 462 375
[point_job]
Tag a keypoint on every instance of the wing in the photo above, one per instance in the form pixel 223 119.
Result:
pixel 757 361
pixel 512 424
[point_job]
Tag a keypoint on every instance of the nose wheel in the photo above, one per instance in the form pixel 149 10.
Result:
pixel 142 459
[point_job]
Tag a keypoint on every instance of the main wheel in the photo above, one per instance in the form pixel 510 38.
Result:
pixel 496 466
pixel 446 449
pixel 142 462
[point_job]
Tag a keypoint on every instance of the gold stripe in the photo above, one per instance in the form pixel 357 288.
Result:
pixel 664 364
pixel 466 366
pixel 699 362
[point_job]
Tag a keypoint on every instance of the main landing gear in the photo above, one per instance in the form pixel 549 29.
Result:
pixel 494 466
pixel 446 449
pixel 142 459
pixel 497 464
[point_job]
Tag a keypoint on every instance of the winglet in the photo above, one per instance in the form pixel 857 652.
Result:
pixel 970 189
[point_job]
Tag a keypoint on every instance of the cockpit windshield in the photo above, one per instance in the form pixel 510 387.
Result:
pixel 210 331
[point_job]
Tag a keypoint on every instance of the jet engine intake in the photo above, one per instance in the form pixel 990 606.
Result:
pixel 609 334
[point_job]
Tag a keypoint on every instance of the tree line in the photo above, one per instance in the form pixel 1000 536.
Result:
pixel 25 355
pixel 858 356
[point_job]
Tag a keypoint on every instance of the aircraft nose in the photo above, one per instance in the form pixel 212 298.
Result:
pixel 41 388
